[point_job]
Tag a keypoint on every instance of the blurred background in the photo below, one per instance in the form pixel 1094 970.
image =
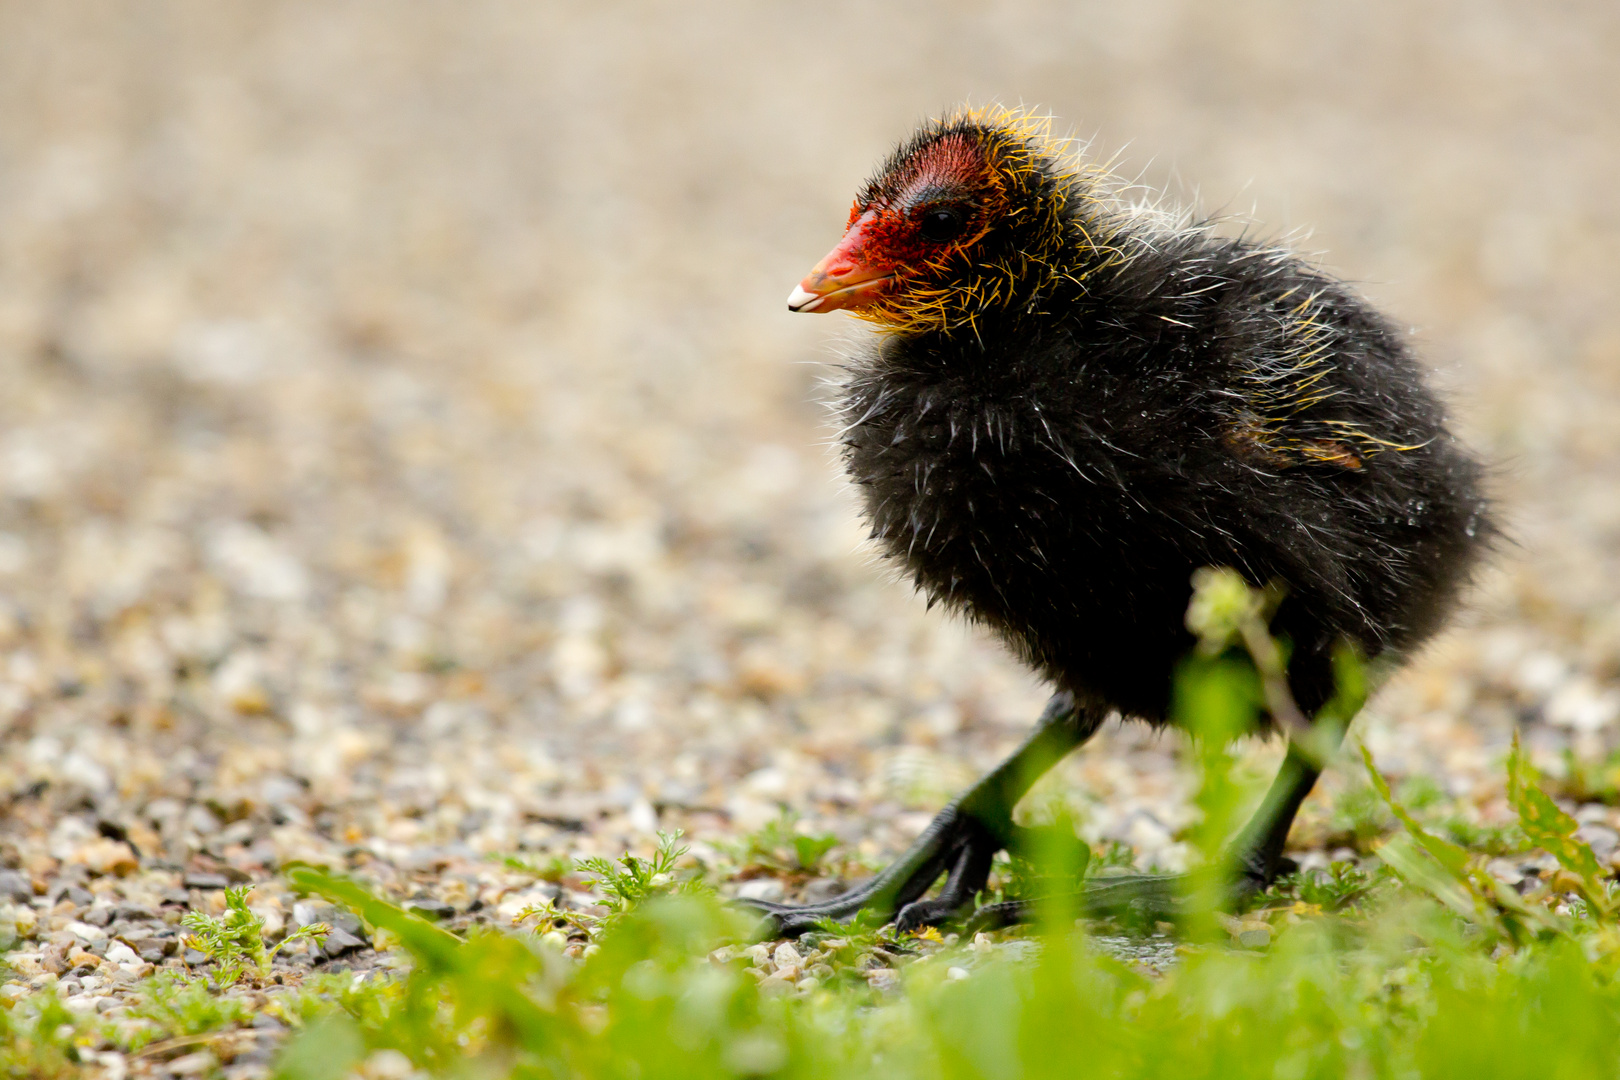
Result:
pixel 406 454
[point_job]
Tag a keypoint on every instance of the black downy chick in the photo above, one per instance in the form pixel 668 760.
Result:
pixel 1072 405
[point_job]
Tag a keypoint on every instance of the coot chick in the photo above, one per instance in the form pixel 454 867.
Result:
pixel 1073 403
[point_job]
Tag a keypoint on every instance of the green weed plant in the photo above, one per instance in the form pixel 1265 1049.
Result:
pixel 780 846
pixel 235 940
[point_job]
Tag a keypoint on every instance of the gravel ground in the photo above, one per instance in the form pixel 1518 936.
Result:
pixel 406 459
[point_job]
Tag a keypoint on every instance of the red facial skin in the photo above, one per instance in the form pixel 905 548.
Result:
pixel 882 244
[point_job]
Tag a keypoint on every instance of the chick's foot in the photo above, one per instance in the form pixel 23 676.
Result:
pixel 955 844
pixel 959 842
pixel 1139 898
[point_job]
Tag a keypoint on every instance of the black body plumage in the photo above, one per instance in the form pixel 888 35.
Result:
pixel 1157 399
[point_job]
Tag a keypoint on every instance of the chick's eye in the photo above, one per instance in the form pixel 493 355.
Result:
pixel 941 224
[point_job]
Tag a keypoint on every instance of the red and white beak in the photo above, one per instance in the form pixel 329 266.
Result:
pixel 844 279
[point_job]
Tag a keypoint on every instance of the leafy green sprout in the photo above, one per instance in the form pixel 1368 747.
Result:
pixel 1360 816
pixel 1589 780
pixel 235 940
pixel 1338 886
pixel 1495 840
pixel 1111 855
pixel 1420 794
pixel 862 933
pixel 1020 877
pixel 551 868
pixel 555 924
pixel 180 1008
pixel 779 845
pixel 631 880
pixel 1226 611
pixel 1361 819
pixel 624 884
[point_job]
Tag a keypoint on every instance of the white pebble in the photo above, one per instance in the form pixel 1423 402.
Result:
pixel 119 953
pixel 774 984
pixel 883 979
pixel 767 889
pixel 1257 937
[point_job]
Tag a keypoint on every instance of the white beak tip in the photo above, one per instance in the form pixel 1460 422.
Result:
pixel 801 299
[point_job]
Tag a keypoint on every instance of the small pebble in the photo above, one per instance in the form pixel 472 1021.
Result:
pixel 206 881
pixel 775 984
pixel 340 941
pixel 15 887
pixel 193 1064
pixel 387 1065
pixel 119 953
pixel 74 895
pixel 1603 840
pixel 86 932
pixel 769 890
pixel 429 908
pixel 104 856
pixel 1257 937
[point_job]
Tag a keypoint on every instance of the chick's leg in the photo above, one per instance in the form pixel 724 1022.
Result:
pixel 1256 854
pixel 1258 849
pixel 959 842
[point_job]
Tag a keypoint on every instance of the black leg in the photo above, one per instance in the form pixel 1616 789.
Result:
pixel 1256 852
pixel 966 880
pixel 961 840
pixel 1258 849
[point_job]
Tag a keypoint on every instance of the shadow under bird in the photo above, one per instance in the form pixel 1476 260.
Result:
pixel 1074 402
